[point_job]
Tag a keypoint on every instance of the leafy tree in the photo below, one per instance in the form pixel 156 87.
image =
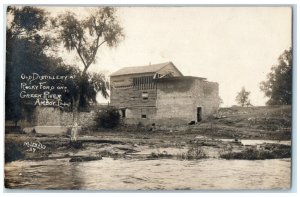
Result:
pixel 25 53
pixel 90 85
pixel 278 86
pixel 85 37
pixel 27 21
pixel 243 97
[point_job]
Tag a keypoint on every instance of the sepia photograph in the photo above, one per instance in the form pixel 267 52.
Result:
pixel 154 98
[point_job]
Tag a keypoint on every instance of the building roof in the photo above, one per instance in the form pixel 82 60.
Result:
pixel 179 78
pixel 141 69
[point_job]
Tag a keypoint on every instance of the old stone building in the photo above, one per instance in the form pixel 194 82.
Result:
pixel 160 94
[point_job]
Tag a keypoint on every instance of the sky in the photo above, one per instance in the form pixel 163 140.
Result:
pixel 234 46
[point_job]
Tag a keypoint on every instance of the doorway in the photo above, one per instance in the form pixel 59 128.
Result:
pixel 123 113
pixel 199 114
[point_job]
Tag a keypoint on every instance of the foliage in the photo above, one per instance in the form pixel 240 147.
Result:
pixel 194 152
pixel 278 86
pixel 85 37
pixel 108 118
pixel 272 151
pixel 88 35
pixel 27 21
pixel 89 85
pixel 243 97
pixel 25 53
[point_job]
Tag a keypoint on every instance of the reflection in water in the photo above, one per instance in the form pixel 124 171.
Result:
pixel 256 142
pixel 122 174
pixel 50 174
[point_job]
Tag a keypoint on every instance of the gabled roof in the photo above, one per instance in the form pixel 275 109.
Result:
pixel 141 69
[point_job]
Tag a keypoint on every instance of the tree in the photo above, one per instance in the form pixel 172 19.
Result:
pixel 278 86
pixel 27 21
pixel 243 97
pixel 25 53
pixel 88 35
pixel 90 85
pixel 85 37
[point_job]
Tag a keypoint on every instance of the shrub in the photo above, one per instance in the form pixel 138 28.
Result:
pixel 108 118
pixel 194 153
pixel 274 152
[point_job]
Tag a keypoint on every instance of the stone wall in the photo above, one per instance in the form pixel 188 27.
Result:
pixel 176 101
pixel 50 116
pixel 144 115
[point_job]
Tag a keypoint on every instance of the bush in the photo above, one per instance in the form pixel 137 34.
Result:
pixel 194 153
pixel 108 118
pixel 273 152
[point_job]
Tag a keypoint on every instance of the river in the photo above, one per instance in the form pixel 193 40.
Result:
pixel 134 174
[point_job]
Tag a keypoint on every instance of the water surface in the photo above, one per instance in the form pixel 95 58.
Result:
pixel 134 174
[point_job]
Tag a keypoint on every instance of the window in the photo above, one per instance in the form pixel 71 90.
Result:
pixel 143 83
pixel 144 116
pixel 145 95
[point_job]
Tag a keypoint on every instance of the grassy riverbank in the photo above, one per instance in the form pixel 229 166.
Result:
pixel 203 140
